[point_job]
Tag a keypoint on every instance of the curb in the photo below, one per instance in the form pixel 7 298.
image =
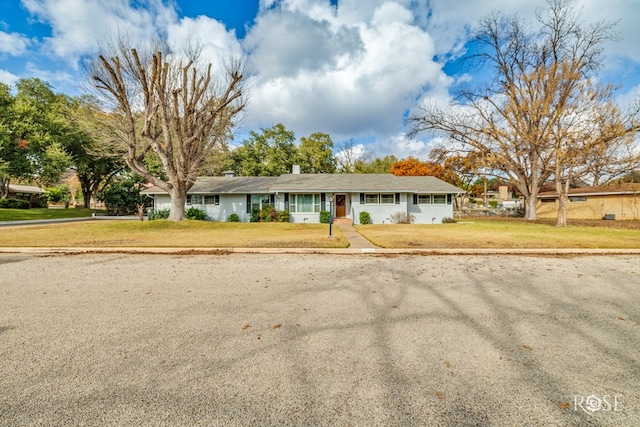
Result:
pixel 323 251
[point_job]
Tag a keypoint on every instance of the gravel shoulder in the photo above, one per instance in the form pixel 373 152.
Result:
pixel 319 339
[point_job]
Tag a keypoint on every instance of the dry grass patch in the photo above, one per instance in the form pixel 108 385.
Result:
pixel 196 234
pixel 498 234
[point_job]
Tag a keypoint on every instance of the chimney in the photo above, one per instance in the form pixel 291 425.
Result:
pixel 229 174
pixel 296 170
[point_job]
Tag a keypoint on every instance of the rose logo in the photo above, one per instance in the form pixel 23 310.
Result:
pixel 593 403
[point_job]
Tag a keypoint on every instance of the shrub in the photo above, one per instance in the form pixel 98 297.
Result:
pixel 493 204
pixel 448 220
pixel 269 214
pixel 233 218
pixel 325 217
pixel 161 214
pixel 195 214
pixel 402 218
pixel 365 218
pixel 122 197
pixel 284 216
pixel 38 202
pixel 14 204
pixel 255 214
pixel 57 194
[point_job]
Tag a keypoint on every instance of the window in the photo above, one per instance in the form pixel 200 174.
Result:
pixel 387 199
pixel 371 199
pixel 577 199
pixel 547 200
pixel 258 201
pixel 194 199
pixel 439 199
pixel 424 199
pixel 304 202
pixel 212 200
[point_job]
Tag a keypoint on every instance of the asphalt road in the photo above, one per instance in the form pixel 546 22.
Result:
pixel 304 339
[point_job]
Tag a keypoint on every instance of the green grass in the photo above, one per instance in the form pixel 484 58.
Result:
pixel 44 213
pixel 498 234
pixel 163 233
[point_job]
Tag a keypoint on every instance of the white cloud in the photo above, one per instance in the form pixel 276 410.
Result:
pixel 351 70
pixel 210 35
pixel 401 147
pixel 347 75
pixel 8 78
pixel 79 25
pixel 13 43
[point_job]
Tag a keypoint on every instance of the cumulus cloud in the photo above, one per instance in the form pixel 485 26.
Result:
pixel 8 78
pixel 346 70
pixel 79 25
pixel 13 43
pixel 216 43
pixel 351 68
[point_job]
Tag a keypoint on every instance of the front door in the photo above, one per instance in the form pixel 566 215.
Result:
pixel 341 205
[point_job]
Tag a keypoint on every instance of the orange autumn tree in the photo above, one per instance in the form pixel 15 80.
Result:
pixel 414 167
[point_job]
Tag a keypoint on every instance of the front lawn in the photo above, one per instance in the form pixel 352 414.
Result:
pixel 498 234
pixel 163 233
pixel 43 213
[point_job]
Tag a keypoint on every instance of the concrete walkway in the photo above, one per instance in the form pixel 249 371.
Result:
pixel 356 240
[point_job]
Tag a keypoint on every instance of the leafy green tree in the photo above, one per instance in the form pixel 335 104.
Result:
pixel 39 130
pixel 95 166
pixel 7 140
pixel 122 196
pixel 316 154
pixel 377 165
pixel 272 152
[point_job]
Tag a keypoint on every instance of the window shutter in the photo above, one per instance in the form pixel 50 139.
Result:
pixel 323 202
pixel 248 203
pixel 272 200
pixel 362 198
pixel 415 199
pixel 286 201
pixel 448 199
pixel 397 198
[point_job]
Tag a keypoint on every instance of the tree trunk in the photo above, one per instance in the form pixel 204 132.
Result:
pixel 86 197
pixel 4 186
pixel 178 201
pixel 563 198
pixel 530 207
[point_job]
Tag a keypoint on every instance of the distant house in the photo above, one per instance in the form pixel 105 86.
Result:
pixel 24 192
pixel 427 198
pixel 620 202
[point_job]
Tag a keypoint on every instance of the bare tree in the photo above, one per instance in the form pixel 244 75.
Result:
pixel 348 154
pixel 536 82
pixel 168 105
pixel 594 141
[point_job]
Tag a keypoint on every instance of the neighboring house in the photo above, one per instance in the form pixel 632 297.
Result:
pixel 24 192
pixel 427 198
pixel 619 201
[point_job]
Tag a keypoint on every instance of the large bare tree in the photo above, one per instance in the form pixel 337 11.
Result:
pixel 537 76
pixel 170 105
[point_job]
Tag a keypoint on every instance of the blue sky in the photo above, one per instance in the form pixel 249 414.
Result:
pixel 349 68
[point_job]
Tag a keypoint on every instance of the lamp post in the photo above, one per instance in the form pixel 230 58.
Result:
pixel 330 214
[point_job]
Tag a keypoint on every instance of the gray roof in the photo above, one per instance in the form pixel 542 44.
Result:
pixel 25 189
pixel 362 183
pixel 295 183
pixel 219 184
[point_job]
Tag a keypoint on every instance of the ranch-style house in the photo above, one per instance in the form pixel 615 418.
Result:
pixel 426 198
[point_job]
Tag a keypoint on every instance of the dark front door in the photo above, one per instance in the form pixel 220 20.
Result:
pixel 341 205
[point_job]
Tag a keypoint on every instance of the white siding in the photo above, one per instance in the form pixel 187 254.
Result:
pixel 380 213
